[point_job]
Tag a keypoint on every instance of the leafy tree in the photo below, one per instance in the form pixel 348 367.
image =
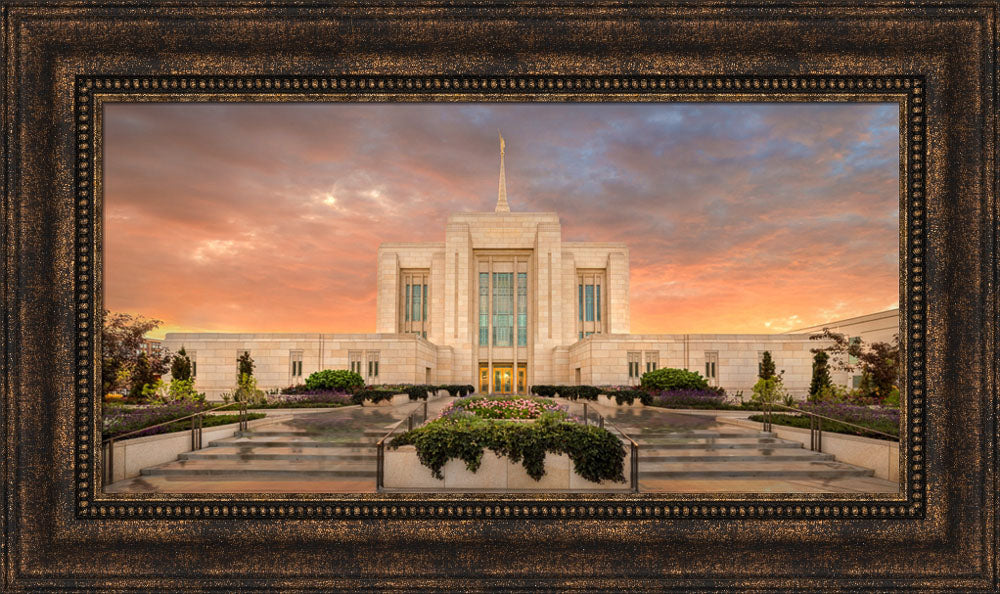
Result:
pixel 121 346
pixel 879 363
pixel 246 385
pixel 141 375
pixel 820 374
pixel 180 368
pixel 766 367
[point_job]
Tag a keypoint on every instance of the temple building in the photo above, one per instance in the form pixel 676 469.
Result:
pixel 503 303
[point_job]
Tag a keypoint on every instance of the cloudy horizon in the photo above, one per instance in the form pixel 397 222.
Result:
pixel 740 218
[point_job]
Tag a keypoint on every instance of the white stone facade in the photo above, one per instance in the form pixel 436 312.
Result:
pixel 430 305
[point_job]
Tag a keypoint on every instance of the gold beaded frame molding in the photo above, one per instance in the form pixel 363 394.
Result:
pixel 63 58
pixel 906 91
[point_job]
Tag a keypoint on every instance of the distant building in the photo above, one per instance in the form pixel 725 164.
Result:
pixel 152 346
pixel 502 303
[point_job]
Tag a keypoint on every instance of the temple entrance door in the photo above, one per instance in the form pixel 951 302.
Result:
pixel 503 379
pixel 484 379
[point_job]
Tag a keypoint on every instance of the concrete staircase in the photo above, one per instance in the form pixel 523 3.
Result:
pixel 279 452
pixel 725 454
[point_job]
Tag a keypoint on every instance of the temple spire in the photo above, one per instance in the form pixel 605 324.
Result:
pixel 502 205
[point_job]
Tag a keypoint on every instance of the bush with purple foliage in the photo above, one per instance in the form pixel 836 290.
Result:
pixel 881 419
pixel 689 399
pixel 120 421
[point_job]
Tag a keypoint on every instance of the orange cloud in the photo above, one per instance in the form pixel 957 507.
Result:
pixel 739 217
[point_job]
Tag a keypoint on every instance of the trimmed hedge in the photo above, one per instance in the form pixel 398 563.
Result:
pixel 377 394
pixel 668 378
pixel 629 396
pixel 457 390
pixel 620 395
pixel 568 392
pixel 373 395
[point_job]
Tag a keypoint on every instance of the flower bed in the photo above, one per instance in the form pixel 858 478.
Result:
pixel 122 421
pixel 470 426
pixel 688 399
pixel 885 420
pixel 309 399
pixel 502 407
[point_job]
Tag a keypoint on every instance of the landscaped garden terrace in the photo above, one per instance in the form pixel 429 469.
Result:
pixel 875 410
pixel 521 428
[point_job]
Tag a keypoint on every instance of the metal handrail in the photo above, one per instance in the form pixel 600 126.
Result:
pixel 380 444
pixel 816 425
pixel 108 445
pixel 633 445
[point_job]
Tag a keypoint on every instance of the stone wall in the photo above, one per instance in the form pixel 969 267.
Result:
pixel 403 358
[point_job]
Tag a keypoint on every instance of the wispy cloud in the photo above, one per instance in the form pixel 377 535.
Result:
pixel 739 217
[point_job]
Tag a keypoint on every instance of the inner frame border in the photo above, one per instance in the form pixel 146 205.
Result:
pixel 91 91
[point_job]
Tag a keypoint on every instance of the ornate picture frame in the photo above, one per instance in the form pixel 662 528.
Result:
pixel 937 63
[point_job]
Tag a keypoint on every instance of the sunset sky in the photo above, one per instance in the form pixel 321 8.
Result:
pixel 267 217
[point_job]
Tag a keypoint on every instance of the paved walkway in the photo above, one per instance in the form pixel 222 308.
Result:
pixel 333 451
pixel 316 451
pixel 689 452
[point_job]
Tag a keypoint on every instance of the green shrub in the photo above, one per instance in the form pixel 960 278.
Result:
pixel 629 396
pixel 373 395
pixel 769 390
pixel 542 390
pixel 596 453
pixel 334 379
pixel 180 367
pixel 183 389
pixel 668 378
pixel 892 400
pixel 568 392
pixel 418 392
pixel 246 390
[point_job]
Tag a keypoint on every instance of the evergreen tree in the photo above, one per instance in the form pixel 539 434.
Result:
pixel 180 368
pixel 766 367
pixel 245 364
pixel 821 374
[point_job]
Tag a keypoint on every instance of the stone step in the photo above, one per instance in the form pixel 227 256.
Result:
pixel 732 455
pixel 699 434
pixel 281 442
pixel 253 453
pixel 277 433
pixel 261 469
pixel 819 469
pixel 763 444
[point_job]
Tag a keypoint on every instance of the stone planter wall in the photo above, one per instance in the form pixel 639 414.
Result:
pixel 880 455
pixel 404 472
pixel 132 455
